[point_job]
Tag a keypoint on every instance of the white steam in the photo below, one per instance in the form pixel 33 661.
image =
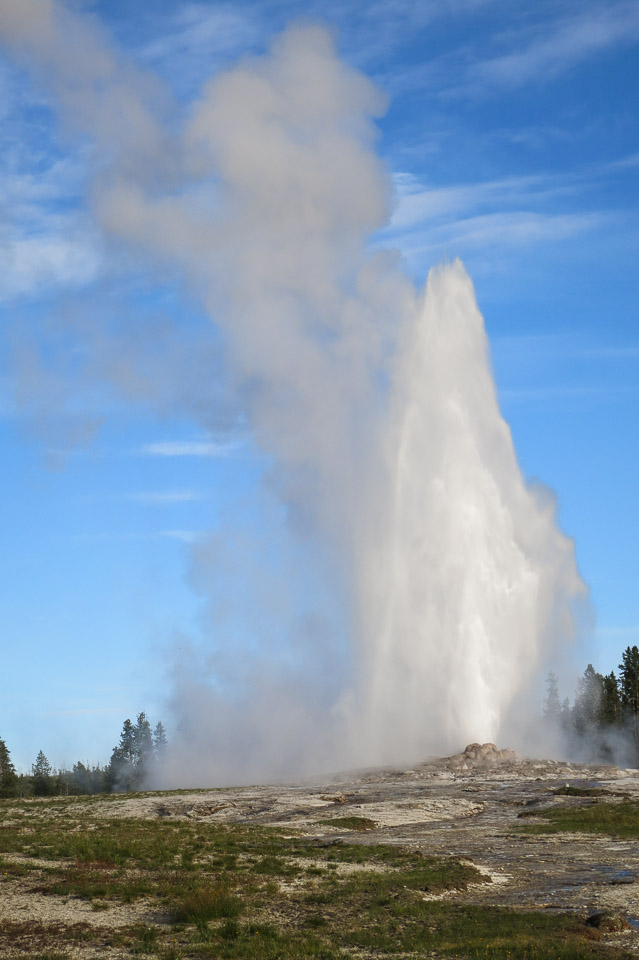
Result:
pixel 375 404
pixel 474 579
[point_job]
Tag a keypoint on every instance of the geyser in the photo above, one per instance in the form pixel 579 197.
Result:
pixel 472 579
pixel 374 403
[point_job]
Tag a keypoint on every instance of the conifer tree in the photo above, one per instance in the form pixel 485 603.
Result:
pixel 8 775
pixel 122 763
pixel 552 703
pixel 611 709
pixel 629 686
pixel 159 740
pixel 143 741
pixel 135 754
pixel 41 772
pixel 587 708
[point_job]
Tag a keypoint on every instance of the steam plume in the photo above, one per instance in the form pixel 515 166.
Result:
pixel 375 404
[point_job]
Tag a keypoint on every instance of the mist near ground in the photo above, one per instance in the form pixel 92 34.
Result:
pixel 407 586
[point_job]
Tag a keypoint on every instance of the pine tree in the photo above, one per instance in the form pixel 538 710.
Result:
pixel 122 764
pixel 552 703
pixel 41 772
pixel 143 740
pixel 135 754
pixel 587 709
pixel 126 748
pixel 629 686
pixel 611 708
pixel 159 740
pixel 8 775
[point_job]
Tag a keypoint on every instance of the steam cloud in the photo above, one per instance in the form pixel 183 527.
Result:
pixel 444 578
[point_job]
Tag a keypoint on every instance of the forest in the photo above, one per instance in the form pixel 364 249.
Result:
pixel 132 762
pixel 602 723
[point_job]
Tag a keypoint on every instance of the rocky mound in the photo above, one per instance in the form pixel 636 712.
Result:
pixel 480 755
pixel 487 753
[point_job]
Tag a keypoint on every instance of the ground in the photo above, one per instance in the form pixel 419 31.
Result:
pixel 480 855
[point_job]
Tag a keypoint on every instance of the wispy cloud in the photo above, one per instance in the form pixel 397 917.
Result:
pixel 626 163
pixel 186 536
pixel 165 497
pixel 508 214
pixel 104 537
pixel 517 228
pixel 505 231
pixel 569 41
pixel 567 345
pixel 190 448
pixel 619 632
pixel 537 48
pixel 544 393
pixel 198 37
pixel 624 352
pixel 46 241
pixel 417 202
pixel 29 264
pixel 82 711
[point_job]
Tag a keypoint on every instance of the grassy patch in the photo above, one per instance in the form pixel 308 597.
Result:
pixel 207 903
pixel 146 939
pixel 35 939
pixel 359 824
pixel 234 891
pixel 96 883
pixel 614 818
pixel 570 791
pixel 477 932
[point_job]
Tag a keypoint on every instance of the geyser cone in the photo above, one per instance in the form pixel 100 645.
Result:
pixel 475 580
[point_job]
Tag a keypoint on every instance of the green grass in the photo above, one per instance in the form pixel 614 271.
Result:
pixel 570 791
pixel 359 824
pixel 231 892
pixel 207 903
pixel 147 939
pixel 611 818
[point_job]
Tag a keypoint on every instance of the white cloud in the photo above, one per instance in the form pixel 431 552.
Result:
pixel 507 214
pixel 540 394
pixel 417 203
pixel 626 162
pixel 82 711
pixel 189 448
pixel 45 241
pixel 534 48
pixel 29 264
pixel 569 42
pixel 190 45
pixel 519 227
pixel 164 497
pixel 504 231
pixel 619 632
pixel 186 536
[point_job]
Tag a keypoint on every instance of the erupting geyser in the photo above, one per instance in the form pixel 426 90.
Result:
pixel 375 406
pixel 474 581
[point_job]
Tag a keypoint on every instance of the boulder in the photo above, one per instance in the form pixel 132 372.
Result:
pixel 607 921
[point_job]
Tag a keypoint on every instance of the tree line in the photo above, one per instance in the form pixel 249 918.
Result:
pixel 602 723
pixel 133 759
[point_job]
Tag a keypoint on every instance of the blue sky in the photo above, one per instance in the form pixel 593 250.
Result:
pixel 512 138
